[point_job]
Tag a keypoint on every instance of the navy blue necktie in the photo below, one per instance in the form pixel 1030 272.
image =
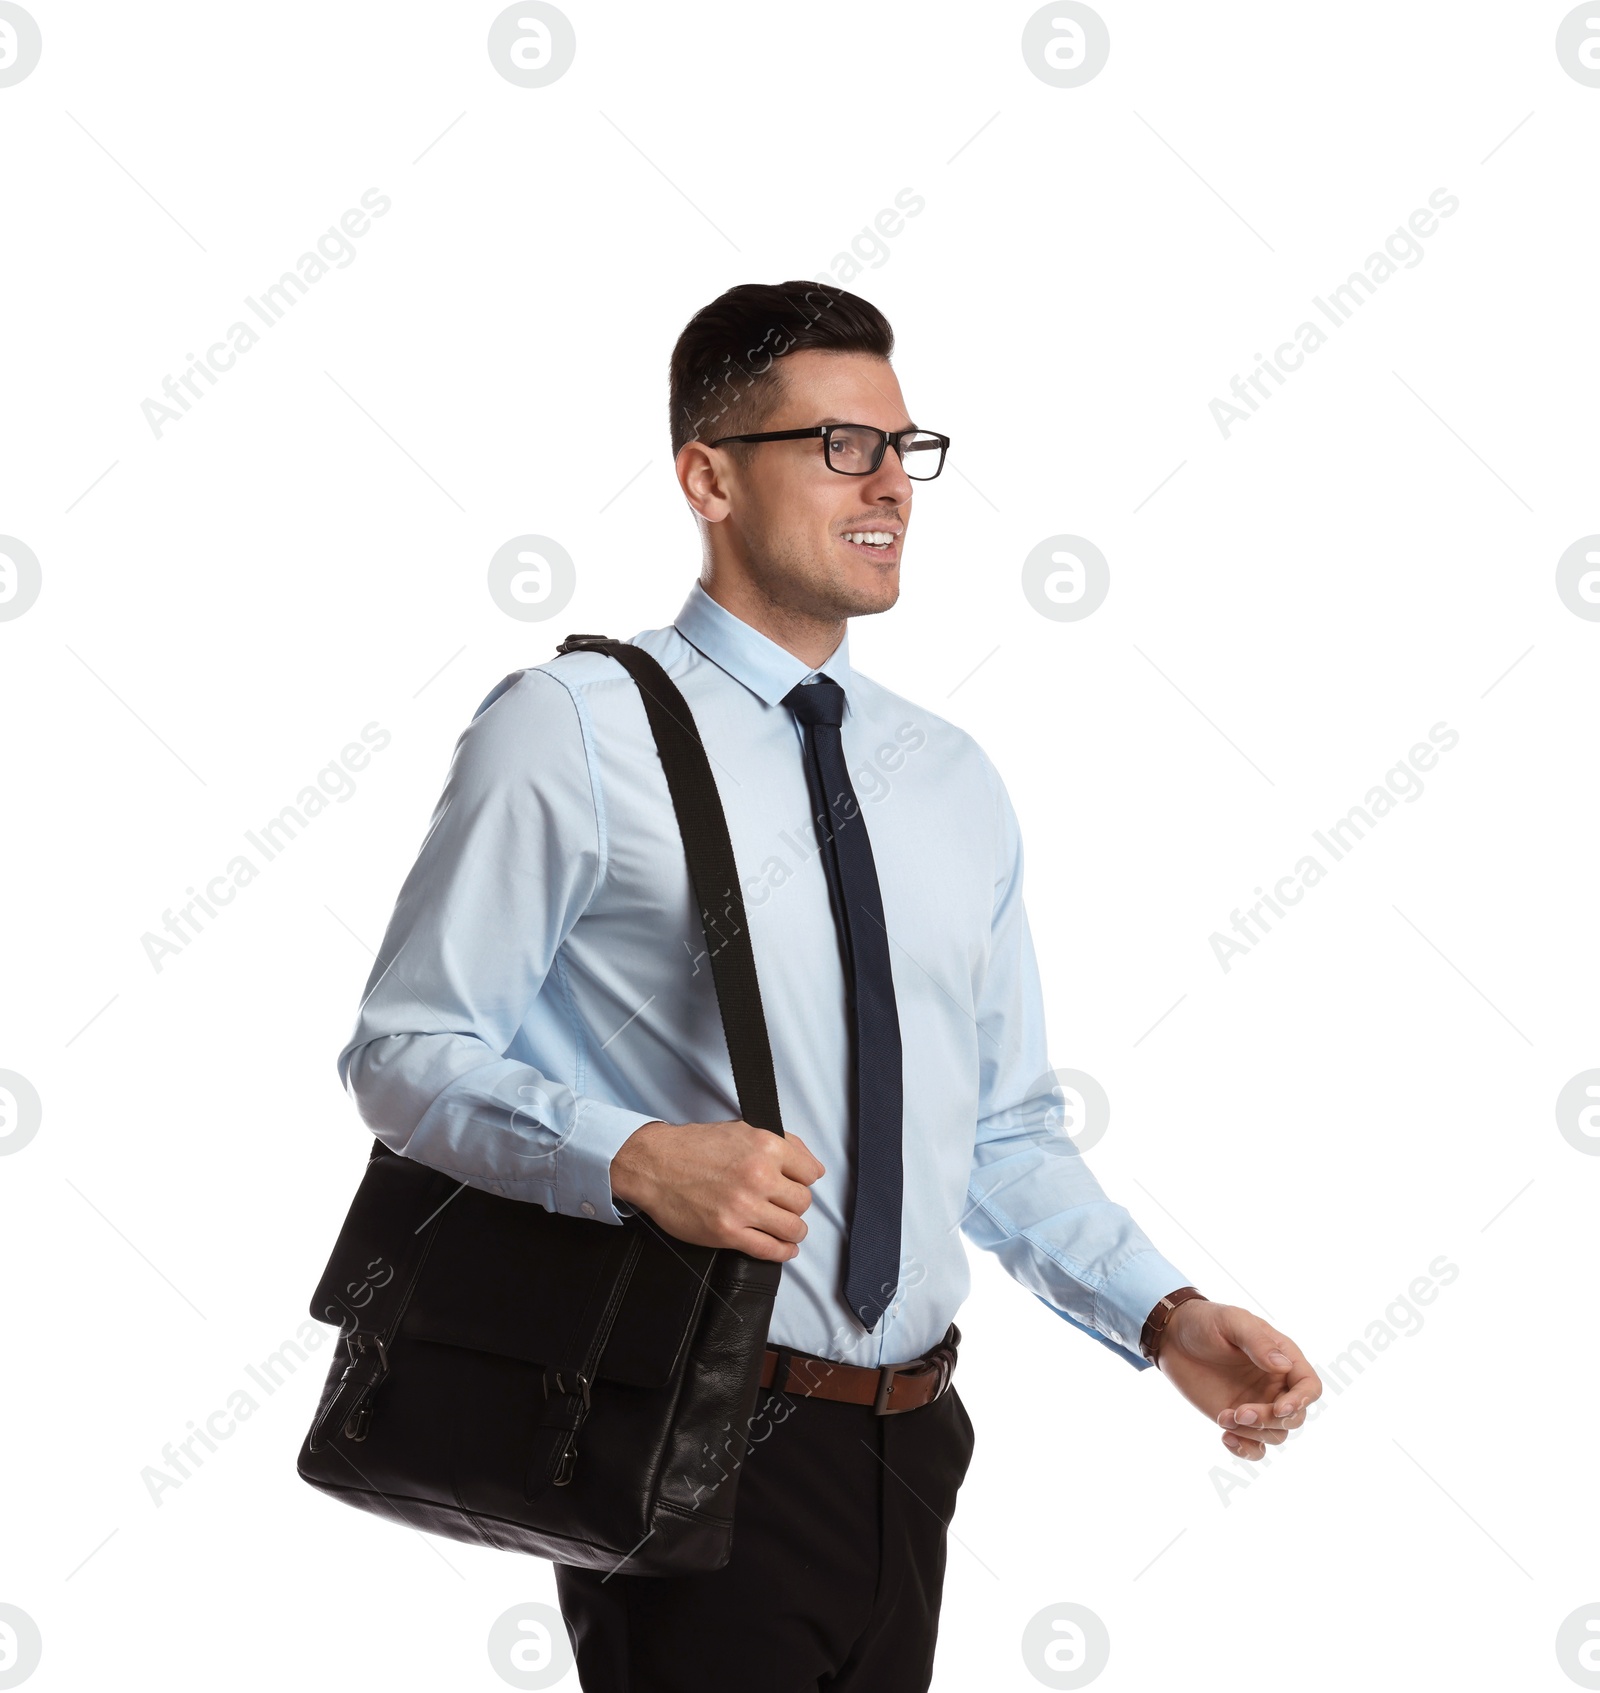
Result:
pixel 872 1255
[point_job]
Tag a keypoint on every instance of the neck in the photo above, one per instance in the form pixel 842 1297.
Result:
pixel 812 640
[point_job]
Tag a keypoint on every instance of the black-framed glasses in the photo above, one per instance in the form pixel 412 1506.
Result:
pixel 857 449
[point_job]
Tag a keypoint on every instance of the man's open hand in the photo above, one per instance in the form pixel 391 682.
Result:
pixel 719 1184
pixel 1238 1369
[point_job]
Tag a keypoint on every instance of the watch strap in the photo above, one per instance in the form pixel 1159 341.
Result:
pixel 1156 1323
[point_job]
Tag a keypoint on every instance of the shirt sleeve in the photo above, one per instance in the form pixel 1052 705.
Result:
pixel 1033 1200
pixel 512 858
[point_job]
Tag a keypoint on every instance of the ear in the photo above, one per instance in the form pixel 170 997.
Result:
pixel 703 475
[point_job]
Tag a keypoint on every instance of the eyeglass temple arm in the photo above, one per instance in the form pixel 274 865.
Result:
pixel 775 435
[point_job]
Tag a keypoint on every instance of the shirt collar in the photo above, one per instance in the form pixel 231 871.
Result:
pixel 766 669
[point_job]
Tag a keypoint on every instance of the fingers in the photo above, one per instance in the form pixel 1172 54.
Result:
pixel 754 1244
pixel 1248 1430
pixel 1261 1343
pixel 771 1233
pixel 752 1200
pixel 798 1163
pixel 788 1188
pixel 782 1187
pixel 1305 1385
pixel 779 1223
pixel 1251 1419
pixel 1274 1352
pixel 1255 1436
pixel 792 1196
pixel 1253 1442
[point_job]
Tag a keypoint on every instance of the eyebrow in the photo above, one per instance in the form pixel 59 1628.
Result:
pixel 823 422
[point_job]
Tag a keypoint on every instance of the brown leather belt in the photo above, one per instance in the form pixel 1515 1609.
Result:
pixel 889 1389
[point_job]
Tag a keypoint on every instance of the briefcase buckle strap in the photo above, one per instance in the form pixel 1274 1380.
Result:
pixel 350 1408
pixel 361 1347
pixel 572 1386
pixel 578 1390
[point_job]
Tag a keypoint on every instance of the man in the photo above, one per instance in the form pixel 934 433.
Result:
pixel 541 1024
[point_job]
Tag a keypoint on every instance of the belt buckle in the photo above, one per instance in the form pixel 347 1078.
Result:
pixel 939 1360
pixel 886 1377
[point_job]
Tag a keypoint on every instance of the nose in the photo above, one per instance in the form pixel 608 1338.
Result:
pixel 889 485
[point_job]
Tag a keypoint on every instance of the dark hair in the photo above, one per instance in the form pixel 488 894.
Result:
pixel 724 376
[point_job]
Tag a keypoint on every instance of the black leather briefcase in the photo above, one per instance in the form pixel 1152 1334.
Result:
pixel 549 1384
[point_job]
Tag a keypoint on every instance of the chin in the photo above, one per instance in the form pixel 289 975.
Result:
pixel 865 598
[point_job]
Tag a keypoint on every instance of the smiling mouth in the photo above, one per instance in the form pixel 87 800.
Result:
pixel 880 542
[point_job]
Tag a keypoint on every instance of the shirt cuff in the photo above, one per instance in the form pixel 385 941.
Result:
pixel 583 1165
pixel 1127 1298
pixel 1136 1357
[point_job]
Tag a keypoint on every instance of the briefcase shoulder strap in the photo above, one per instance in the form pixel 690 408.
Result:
pixel 713 874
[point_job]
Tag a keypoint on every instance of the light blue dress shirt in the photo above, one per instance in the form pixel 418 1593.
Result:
pixel 542 990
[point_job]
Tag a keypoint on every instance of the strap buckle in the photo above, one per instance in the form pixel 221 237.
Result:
pixel 360 1347
pixel 358 1423
pixel 579 1388
pixel 577 643
pixel 571 1420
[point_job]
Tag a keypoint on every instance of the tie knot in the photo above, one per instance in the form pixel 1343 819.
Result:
pixel 816 702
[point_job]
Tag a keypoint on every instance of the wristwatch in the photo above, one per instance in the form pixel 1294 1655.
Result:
pixel 1156 1323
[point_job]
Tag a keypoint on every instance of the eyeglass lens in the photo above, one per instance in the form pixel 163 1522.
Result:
pixel 859 452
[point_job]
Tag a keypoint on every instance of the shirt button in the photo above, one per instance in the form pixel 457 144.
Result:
pixel 586 1208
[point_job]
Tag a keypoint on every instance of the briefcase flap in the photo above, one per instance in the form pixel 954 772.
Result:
pixel 506 1276
pixel 380 1243
pixel 511 1278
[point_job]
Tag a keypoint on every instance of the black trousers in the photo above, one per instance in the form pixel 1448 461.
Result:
pixel 836 1574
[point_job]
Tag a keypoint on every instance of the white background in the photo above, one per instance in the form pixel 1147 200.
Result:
pixel 1374 552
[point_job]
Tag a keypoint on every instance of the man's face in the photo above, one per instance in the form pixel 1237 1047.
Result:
pixel 793 523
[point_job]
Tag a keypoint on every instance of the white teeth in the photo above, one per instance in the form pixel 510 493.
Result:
pixel 870 537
